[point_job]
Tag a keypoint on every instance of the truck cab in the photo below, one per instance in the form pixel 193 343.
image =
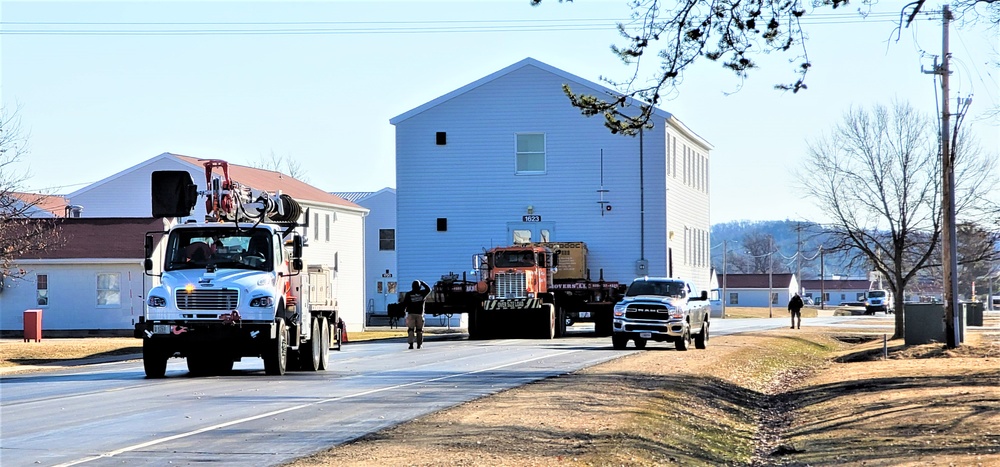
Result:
pixel 878 300
pixel 662 309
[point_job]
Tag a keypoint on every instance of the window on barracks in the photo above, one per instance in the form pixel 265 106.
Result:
pixel 530 153
pixel 387 239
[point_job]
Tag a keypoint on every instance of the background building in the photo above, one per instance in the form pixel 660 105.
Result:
pixel 507 159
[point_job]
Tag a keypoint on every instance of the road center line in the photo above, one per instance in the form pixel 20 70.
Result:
pixel 297 407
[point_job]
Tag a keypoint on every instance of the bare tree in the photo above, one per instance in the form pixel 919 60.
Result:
pixel 283 164
pixel 879 177
pixel 974 260
pixel 730 32
pixel 20 234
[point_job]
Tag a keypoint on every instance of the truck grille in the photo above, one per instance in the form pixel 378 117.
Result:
pixel 511 285
pixel 647 312
pixel 198 299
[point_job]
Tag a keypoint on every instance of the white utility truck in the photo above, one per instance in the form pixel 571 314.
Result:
pixel 234 285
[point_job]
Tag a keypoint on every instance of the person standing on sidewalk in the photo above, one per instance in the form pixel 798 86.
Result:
pixel 795 308
pixel 413 303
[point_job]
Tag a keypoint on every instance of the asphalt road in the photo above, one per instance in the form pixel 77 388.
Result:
pixel 109 414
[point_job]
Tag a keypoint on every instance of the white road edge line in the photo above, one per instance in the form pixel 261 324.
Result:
pixel 293 408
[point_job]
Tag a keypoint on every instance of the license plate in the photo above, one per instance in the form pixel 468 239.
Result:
pixel 162 329
pixel 645 335
pixel 585 314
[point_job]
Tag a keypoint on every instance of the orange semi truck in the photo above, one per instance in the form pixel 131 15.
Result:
pixel 531 290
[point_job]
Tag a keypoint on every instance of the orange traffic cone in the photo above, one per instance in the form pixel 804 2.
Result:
pixel 343 331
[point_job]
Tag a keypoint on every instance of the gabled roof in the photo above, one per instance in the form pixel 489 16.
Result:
pixel 570 79
pixel 356 196
pixel 259 179
pixel 756 281
pixel 98 238
pixel 272 181
pixel 352 196
pixel 48 205
pixel 836 284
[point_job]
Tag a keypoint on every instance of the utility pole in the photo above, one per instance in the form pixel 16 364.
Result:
pixel 822 280
pixel 725 259
pixel 798 257
pixel 770 280
pixel 948 231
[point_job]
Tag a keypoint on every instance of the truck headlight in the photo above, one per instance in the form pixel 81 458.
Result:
pixel 262 302
pixel 620 310
pixel 156 302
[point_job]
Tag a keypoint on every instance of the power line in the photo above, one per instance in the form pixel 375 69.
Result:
pixel 85 28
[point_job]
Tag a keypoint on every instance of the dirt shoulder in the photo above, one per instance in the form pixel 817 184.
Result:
pixel 785 397
pixel 813 396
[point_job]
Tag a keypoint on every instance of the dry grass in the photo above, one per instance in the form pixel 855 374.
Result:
pixel 774 398
pixel 763 312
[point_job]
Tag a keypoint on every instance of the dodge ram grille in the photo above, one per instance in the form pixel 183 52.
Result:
pixel 199 299
pixel 644 311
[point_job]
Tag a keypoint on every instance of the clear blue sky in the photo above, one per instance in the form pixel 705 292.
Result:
pixel 96 104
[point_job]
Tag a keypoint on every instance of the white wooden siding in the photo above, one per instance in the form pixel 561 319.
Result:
pixel 72 304
pixel 345 250
pixel 688 207
pixel 128 193
pixel 471 181
pixel 383 216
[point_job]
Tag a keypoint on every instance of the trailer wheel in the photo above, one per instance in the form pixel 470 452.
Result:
pixel 276 351
pixel 603 323
pixel 154 359
pixel 619 341
pixel 310 353
pixel 561 322
pixel 548 323
pixel 476 329
pixel 337 334
pixel 324 340
pixel 701 340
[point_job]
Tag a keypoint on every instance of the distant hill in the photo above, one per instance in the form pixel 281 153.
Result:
pixel 789 237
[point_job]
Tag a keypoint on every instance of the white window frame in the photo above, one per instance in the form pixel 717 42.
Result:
pixel 38 291
pixel 544 154
pixel 98 289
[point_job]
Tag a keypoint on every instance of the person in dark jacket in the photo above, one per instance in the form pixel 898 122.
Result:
pixel 795 308
pixel 413 303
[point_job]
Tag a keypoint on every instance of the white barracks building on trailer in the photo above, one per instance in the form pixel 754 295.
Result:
pixel 508 157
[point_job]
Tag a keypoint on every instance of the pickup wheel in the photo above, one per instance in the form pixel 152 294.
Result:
pixel 701 339
pixel 276 351
pixel 683 341
pixel 154 359
pixel 619 341
pixel 324 343
pixel 640 343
